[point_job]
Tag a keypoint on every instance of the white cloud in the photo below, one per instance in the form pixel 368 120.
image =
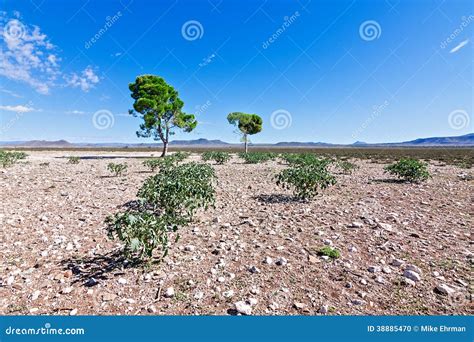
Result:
pixel 23 54
pixel 76 112
pixel 85 81
pixel 27 55
pixel 17 109
pixel 9 92
pixel 459 46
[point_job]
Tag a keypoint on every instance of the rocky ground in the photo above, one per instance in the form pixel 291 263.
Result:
pixel 405 248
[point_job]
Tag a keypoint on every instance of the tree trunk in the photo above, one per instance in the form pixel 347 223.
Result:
pixel 245 143
pixel 165 148
pixel 165 140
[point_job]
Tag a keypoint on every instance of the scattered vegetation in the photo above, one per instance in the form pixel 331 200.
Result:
pixel 330 252
pixel 167 201
pixel 153 163
pixel 257 157
pixel 306 179
pixel 411 170
pixel 180 156
pixel 346 167
pixel 117 169
pixel 9 158
pixel 73 160
pixel 217 156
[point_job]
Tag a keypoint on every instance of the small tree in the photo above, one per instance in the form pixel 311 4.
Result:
pixel 161 109
pixel 248 124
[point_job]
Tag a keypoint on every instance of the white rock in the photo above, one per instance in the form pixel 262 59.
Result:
pixel 189 248
pixel 10 280
pixel 221 279
pixel 67 290
pixel 228 294
pixel 73 312
pixel 355 225
pixel 169 292
pixel 386 269
pixel 374 269
pixel 412 275
pixel 35 295
pixel 199 295
pixel 324 309
pixel 444 289
pixel 254 290
pixel 268 260
pixel 380 280
pixel 122 281
pixel 281 261
pixel 252 301
pixel 243 308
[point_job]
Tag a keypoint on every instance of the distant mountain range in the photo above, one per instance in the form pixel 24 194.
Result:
pixel 461 141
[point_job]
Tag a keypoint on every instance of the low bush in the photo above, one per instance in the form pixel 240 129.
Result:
pixel 346 167
pixel 8 158
pixel 117 169
pixel 218 157
pixel 179 156
pixel 167 201
pixel 257 157
pixel 306 180
pixel 73 160
pixel 330 252
pixel 411 170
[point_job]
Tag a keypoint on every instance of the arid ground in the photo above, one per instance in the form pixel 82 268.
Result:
pixel 405 248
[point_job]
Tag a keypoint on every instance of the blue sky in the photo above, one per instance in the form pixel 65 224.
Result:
pixel 333 71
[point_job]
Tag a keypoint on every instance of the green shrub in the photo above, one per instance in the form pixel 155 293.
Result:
pixel 117 169
pixel 167 201
pixel 346 167
pixel 73 160
pixel 180 156
pixel 411 170
pixel 306 179
pixel 299 158
pixel 330 252
pixel 155 163
pixel 257 157
pixel 218 157
pixel 8 158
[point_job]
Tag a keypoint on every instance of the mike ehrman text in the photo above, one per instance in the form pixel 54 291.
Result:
pixel 441 328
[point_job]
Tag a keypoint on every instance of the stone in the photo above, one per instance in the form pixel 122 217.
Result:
pixel 35 295
pixel 379 280
pixel 413 268
pixel 373 269
pixel 281 261
pixel 122 281
pixel 151 309
pixel 189 248
pixel 355 224
pixel 268 260
pixel 363 281
pixel 312 259
pixel 397 262
pixel 324 309
pixel 254 269
pixel 408 281
pixel 386 270
pixel 299 306
pixel 169 292
pixel 243 308
pixel 221 279
pixel 444 289
pixel 91 282
pixel 252 301
pixel 67 290
pixel 199 295
pixel 412 275
pixel 73 312
pixel 228 294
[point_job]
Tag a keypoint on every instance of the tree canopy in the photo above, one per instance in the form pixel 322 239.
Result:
pixel 161 109
pixel 248 124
